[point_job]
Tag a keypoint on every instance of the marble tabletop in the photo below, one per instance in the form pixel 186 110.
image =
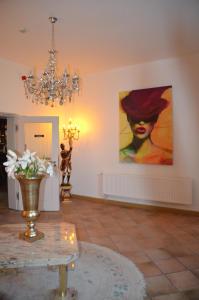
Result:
pixel 59 246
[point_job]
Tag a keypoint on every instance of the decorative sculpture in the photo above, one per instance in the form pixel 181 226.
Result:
pixel 70 134
pixel 66 165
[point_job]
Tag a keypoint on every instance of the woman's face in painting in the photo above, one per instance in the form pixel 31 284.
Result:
pixel 141 129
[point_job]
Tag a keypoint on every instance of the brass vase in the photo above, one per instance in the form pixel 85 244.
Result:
pixel 30 197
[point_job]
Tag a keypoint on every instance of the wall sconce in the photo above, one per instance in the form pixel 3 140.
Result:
pixel 71 132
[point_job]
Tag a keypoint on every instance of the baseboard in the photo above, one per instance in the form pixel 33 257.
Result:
pixel 135 205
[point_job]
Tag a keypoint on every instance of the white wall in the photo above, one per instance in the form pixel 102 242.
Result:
pixel 96 110
pixel 97 149
pixel 12 96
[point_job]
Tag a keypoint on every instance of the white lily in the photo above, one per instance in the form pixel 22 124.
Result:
pixel 27 159
pixel 29 165
pixel 12 154
pixel 41 165
pixel 27 155
pixel 11 163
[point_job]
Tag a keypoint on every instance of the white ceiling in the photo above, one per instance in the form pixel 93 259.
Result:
pixel 96 35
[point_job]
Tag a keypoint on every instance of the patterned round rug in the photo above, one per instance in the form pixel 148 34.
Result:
pixel 99 274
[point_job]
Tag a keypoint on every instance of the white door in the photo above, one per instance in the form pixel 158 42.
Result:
pixel 41 135
pixel 11 144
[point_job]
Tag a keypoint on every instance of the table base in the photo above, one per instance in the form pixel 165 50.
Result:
pixel 64 293
pixel 70 295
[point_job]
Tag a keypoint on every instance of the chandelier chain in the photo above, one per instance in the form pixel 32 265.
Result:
pixel 53 37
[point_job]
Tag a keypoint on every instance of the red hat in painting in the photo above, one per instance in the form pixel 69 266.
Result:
pixel 145 104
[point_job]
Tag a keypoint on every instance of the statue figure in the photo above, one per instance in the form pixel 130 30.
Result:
pixel 65 166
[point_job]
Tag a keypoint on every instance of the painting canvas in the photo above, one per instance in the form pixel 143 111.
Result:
pixel 146 134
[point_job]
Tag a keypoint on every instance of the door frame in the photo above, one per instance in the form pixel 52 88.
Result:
pixel 16 142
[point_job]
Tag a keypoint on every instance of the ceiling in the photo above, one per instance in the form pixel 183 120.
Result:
pixel 97 35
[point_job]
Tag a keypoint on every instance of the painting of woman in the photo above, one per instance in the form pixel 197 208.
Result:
pixel 143 109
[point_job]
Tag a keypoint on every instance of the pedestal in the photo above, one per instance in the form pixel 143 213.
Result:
pixel 65 193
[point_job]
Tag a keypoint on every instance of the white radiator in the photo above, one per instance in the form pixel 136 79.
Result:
pixel 169 190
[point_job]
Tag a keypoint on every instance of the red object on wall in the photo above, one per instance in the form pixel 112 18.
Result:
pixel 23 77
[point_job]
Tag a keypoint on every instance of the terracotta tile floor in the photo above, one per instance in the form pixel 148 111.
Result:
pixel 164 246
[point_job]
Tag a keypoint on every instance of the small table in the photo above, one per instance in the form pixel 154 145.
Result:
pixel 58 248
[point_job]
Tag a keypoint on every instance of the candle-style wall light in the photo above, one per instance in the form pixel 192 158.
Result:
pixel 71 132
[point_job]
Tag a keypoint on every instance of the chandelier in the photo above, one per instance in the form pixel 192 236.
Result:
pixel 50 88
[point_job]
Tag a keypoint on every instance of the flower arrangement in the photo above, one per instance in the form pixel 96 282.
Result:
pixel 29 165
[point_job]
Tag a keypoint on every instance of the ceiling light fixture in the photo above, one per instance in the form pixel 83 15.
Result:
pixel 50 88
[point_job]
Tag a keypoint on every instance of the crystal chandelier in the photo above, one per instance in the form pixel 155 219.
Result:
pixel 50 88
